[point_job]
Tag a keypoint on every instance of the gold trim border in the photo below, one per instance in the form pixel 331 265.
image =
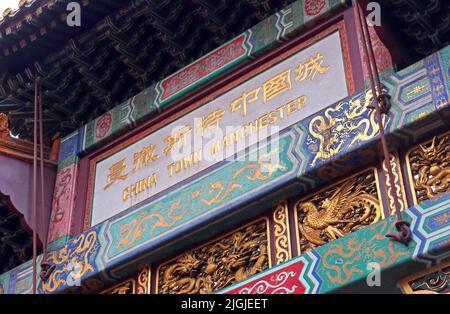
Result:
pixel 401 182
pixel 404 283
pixel 134 280
pixel 284 206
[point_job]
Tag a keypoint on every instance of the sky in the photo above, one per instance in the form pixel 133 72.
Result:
pixel 8 4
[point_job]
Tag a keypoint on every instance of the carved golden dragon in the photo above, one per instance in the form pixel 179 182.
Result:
pixel 212 267
pixel 433 167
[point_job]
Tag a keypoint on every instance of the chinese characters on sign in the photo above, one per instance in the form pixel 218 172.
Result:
pixel 286 93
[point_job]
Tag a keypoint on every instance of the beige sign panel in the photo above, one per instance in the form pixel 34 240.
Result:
pixel 288 92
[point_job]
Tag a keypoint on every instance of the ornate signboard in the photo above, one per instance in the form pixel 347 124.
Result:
pixel 298 86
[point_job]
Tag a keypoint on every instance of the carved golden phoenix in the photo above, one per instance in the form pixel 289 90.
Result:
pixel 349 206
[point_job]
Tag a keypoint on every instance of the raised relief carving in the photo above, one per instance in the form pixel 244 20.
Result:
pixel 218 264
pixel 281 233
pixel 398 183
pixel 338 210
pixel 429 168
pixel 4 131
pixel 431 281
pixel 139 284
pixel 126 287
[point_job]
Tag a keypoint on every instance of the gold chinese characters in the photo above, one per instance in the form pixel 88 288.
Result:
pixel 171 156
pixel 263 121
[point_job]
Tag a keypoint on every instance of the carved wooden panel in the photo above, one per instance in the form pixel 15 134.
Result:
pixel 217 264
pixel 429 168
pixel 335 211
pixel 138 284
pixel 280 231
pixel 435 280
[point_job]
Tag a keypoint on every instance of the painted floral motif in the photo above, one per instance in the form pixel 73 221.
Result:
pixel 203 67
pixel 103 125
pixel 313 7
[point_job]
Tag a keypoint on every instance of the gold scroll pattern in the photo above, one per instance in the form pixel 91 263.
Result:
pixel 139 284
pixel 338 210
pixel 126 287
pixel 429 168
pixel 435 280
pixel 281 233
pixel 218 264
pixel 398 181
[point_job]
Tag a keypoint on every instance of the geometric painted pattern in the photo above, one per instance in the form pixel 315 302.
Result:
pixel 419 92
pixel 293 277
pixel 333 266
pixel 267 34
pixel 430 224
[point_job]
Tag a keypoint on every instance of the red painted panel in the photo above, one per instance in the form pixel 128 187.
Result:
pixel 203 67
pixel 282 281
